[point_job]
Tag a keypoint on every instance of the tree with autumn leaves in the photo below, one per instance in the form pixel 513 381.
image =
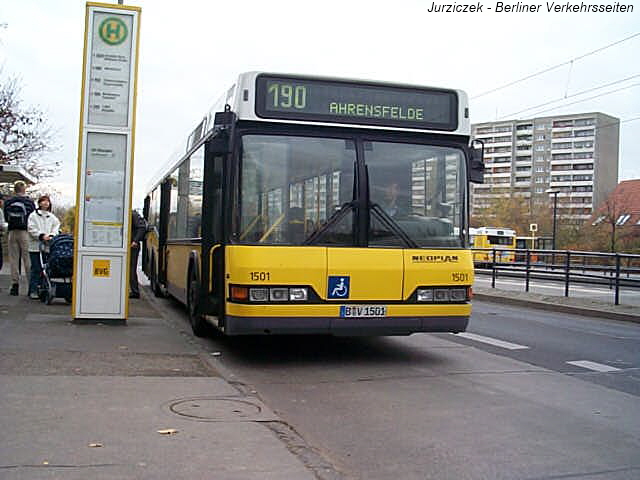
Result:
pixel 600 234
pixel 516 212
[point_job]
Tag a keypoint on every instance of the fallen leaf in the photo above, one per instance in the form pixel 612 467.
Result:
pixel 168 431
pixel 95 445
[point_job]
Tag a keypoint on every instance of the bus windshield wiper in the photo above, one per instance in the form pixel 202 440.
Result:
pixel 332 220
pixel 392 225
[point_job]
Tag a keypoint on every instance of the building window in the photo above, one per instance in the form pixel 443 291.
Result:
pixel 539 169
pixel 582 178
pixel 622 219
pixel 540 137
pixel 539 190
pixel 583 133
pixel 562 123
pixel 583 122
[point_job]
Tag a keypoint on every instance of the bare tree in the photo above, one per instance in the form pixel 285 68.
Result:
pixel 25 132
pixel 608 216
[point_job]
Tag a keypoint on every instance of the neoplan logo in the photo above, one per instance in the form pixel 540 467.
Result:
pixel 113 31
pixel 434 258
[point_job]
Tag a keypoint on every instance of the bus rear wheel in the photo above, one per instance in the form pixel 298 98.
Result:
pixel 198 323
pixel 155 285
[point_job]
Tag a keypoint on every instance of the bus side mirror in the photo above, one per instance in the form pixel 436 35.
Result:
pixel 223 122
pixel 476 163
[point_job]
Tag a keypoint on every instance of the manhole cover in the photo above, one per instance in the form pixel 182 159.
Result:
pixel 212 409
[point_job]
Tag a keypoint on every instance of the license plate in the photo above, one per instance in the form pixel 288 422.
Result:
pixel 363 311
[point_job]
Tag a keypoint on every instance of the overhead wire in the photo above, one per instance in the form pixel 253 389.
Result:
pixel 577 94
pixel 585 99
pixel 554 67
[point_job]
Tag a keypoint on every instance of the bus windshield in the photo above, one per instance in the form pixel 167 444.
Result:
pixel 299 190
pixel 421 187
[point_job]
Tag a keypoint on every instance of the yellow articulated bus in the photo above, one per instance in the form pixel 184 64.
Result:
pixel 489 239
pixel 316 205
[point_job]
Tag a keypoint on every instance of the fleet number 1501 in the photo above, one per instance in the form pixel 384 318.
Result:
pixel 260 276
pixel 460 277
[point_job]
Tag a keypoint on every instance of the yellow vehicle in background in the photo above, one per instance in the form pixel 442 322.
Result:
pixel 532 243
pixel 491 244
pixel 311 205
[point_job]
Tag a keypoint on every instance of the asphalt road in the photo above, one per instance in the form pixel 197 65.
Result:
pixel 606 352
pixel 442 406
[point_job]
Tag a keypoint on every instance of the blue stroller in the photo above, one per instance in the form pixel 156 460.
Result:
pixel 57 269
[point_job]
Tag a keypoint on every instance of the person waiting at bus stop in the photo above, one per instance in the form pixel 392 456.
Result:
pixel 43 225
pixel 138 232
pixel 16 211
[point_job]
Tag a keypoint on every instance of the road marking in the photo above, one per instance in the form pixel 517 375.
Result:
pixel 597 367
pixel 492 341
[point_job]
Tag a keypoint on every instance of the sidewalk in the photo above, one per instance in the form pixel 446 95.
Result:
pixel 122 402
pixel 575 305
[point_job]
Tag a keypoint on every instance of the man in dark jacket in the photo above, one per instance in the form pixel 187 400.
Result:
pixel 138 232
pixel 16 211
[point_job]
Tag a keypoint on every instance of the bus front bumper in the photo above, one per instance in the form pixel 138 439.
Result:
pixel 235 325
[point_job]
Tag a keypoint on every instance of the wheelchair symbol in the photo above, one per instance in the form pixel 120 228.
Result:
pixel 338 287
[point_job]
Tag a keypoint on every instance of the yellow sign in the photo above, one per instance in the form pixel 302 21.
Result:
pixel 102 268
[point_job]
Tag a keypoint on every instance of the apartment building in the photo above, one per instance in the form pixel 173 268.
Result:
pixel 575 155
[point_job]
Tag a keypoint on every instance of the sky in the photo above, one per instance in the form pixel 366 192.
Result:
pixel 192 51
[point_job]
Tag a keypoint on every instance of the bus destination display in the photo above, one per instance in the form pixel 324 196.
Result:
pixel 294 98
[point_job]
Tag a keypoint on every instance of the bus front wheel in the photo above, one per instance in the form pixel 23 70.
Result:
pixel 198 324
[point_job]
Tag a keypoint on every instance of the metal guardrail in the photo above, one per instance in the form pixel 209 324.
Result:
pixel 613 269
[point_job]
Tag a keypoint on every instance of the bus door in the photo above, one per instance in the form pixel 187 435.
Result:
pixel 165 200
pixel 214 217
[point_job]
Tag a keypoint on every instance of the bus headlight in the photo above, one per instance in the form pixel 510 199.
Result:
pixel 441 295
pixel 258 294
pixel 458 294
pixel 278 294
pixel 266 294
pixel 425 295
pixel 298 294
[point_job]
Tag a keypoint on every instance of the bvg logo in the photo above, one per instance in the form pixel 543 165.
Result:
pixel 113 31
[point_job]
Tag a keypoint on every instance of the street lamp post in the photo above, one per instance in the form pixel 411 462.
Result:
pixel 555 214
pixel 555 223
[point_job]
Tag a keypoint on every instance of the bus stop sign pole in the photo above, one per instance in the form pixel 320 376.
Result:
pixel 105 164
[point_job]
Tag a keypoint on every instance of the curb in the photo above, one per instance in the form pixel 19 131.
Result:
pixel 590 312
